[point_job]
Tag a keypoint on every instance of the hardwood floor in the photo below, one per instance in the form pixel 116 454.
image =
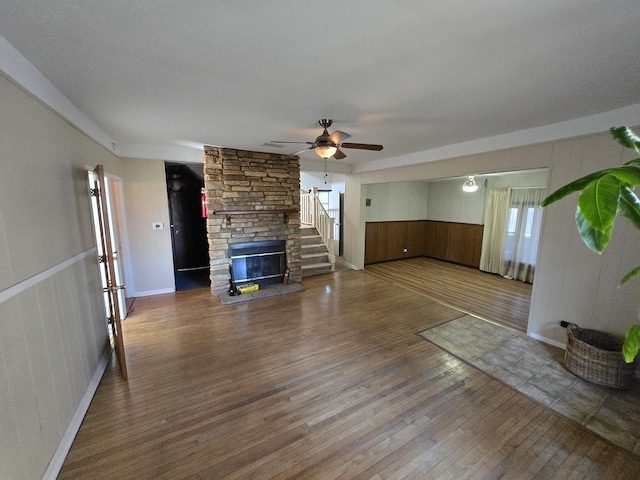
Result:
pixel 468 289
pixel 332 382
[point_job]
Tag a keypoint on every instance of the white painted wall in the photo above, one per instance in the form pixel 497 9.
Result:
pixel 53 337
pixel 354 223
pixel 151 254
pixel 330 181
pixel 447 202
pixel 572 283
pixel 441 200
pixel 309 180
pixel 395 201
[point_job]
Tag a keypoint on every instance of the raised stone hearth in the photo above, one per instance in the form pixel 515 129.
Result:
pixel 270 291
pixel 251 196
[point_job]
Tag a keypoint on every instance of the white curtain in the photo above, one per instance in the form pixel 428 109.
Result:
pixel 522 233
pixel 495 226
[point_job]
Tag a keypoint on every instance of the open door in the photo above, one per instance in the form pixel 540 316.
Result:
pixel 188 226
pixel 106 260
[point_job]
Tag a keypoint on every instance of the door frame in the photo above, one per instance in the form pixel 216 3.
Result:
pixel 104 213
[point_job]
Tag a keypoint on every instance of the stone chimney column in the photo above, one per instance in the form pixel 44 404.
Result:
pixel 266 188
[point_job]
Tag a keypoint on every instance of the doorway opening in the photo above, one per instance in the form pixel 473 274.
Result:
pixel 188 225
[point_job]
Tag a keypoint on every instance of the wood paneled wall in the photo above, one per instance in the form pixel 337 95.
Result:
pixel 454 242
pixel 387 240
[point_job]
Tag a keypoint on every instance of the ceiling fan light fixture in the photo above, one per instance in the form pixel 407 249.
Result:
pixel 326 151
pixel 328 145
pixel 470 185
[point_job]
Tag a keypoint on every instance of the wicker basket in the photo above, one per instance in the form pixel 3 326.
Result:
pixel 597 357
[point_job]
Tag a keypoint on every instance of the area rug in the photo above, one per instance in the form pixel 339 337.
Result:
pixel 537 370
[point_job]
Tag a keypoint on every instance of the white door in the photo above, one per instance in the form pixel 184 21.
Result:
pixel 102 206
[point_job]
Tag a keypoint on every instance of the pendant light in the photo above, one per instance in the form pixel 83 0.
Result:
pixel 470 185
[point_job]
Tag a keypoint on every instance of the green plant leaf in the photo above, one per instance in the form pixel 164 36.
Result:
pixel 630 275
pixel 625 136
pixel 629 174
pixel 574 186
pixel 635 161
pixel 598 202
pixel 605 195
pixel 592 238
pixel 629 206
pixel 631 344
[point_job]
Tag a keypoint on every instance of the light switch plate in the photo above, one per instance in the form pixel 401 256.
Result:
pixel 158 226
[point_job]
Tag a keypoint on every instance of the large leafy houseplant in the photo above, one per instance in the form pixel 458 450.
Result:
pixel 607 194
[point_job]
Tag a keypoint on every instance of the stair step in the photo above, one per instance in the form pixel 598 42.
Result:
pixel 315 254
pixel 314 258
pixel 316 269
pixel 316 248
pixel 310 239
pixel 316 265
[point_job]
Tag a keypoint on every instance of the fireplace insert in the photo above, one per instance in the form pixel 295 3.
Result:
pixel 262 262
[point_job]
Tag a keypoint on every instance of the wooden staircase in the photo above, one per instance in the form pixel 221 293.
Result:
pixel 316 259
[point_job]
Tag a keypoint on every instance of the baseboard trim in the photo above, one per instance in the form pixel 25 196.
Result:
pixel 548 340
pixel 350 265
pixel 55 465
pixel 149 293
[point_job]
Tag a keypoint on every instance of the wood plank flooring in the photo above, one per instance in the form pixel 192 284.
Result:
pixel 468 289
pixel 329 383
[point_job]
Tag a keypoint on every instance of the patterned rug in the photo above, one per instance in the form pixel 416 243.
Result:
pixel 537 370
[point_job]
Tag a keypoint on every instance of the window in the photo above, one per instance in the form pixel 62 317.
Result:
pixel 323 196
pixel 523 229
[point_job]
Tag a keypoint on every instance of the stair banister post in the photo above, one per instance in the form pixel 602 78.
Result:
pixel 332 256
pixel 314 207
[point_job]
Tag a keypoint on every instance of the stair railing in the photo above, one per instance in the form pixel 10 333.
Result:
pixel 313 213
pixel 306 207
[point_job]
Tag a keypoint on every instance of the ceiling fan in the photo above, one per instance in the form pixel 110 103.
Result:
pixel 328 145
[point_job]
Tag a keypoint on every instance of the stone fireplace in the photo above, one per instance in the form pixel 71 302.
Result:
pixel 251 197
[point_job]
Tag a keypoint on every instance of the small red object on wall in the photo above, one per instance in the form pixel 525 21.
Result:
pixel 203 200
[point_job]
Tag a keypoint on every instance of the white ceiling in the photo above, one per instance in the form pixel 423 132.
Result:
pixel 413 75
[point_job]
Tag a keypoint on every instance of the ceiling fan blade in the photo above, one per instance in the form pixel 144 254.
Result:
pixel 339 155
pixel 299 152
pixel 278 141
pixel 338 137
pixel 362 146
